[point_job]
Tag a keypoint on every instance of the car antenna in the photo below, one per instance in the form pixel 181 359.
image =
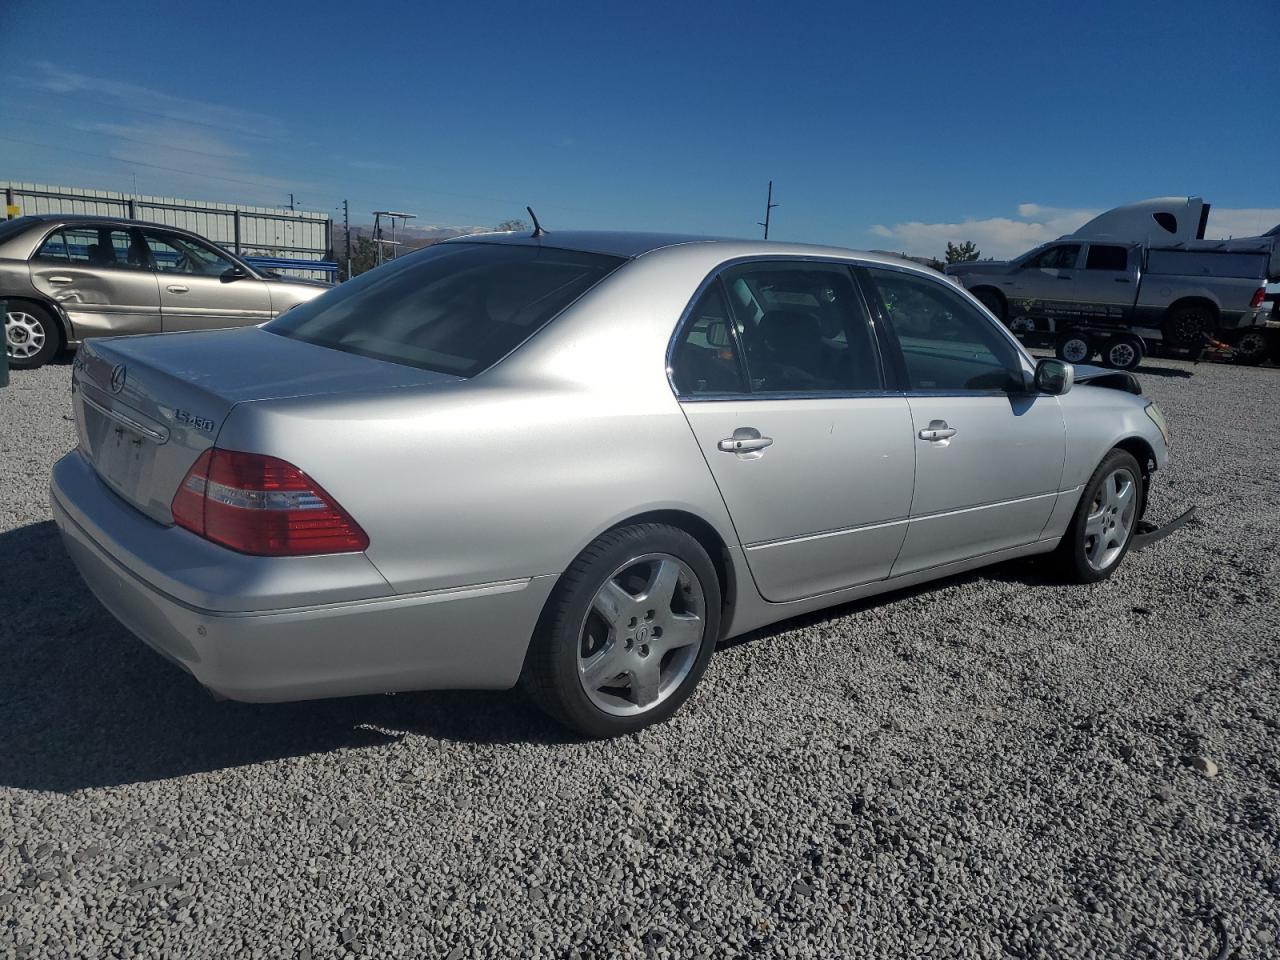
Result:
pixel 537 227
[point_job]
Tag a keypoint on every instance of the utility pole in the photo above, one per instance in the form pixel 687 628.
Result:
pixel 768 209
pixel 346 226
pixel 291 201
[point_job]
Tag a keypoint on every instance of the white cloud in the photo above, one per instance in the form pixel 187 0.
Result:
pixel 1240 221
pixel 995 236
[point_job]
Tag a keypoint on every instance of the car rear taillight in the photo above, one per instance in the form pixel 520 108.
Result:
pixel 1258 297
pixel 263 506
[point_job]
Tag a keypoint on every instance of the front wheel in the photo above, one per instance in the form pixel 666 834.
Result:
pixel 32 337
pixel 1105 520
pixel 627 633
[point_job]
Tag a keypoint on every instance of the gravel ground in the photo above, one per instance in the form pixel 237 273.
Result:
pixel 992 766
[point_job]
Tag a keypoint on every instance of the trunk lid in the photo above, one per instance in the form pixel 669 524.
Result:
pixel 146 407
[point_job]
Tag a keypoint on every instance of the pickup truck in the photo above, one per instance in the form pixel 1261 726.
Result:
pixel 1118 298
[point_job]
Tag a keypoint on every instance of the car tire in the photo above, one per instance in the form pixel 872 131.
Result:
pixel 627 632
pixel 1122 353
pixel 1185 327
pixel 1250 347
pixel 1105 521
pixel 32 336
pixel 1073 348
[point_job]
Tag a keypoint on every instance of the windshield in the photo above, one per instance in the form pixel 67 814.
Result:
pixel 454 308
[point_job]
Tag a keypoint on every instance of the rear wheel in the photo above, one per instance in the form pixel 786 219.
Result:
pixel 627 633
pixel 1105 520
pixel 1073 347
pixel 1185 327
pixel 1250 347
pixel 1122 353
pixel 32 337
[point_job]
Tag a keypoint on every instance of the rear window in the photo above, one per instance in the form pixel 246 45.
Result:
pixel 455 308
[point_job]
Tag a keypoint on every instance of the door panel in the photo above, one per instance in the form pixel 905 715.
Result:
pixel 990 486
pixel 825 505
pixel 1107 286
pixel 194 294
pixel 1045 285
pixel 95 273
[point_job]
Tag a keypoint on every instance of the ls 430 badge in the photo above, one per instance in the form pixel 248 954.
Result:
pixel 191 420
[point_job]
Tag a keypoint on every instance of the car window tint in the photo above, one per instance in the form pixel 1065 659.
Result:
pixel 174 254
pixel 1061 257
pixel 947 343
pixel 803 328
pixel 93 247
pixel 1104 257
pixel 705 359
pixel 455 307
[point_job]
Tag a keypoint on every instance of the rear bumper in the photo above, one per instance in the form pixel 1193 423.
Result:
pixel 467 637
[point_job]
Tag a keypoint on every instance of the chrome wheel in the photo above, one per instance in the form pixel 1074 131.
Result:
pixel 24 335
pixel 642 634
pixel 1111 519
pixel 1122 356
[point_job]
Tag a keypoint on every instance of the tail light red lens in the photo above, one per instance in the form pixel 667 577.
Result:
pixel 1258 297
pixel 263 506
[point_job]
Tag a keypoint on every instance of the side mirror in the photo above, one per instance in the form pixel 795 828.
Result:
pixel 235 272
pixel 1054 377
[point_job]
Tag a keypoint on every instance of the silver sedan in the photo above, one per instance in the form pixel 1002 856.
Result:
pixel 574 462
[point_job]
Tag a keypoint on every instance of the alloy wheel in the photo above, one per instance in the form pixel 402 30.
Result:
pixel 641 635
pixel 1111 519
pixel 24 335
pixel 1122 356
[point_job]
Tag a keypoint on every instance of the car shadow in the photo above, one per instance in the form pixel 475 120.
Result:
pixel 85 704
pixel 1146 369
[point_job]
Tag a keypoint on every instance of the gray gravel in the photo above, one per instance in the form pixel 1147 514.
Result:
pixel 994 766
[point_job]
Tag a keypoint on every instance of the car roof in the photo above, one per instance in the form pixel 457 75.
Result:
pixel 632 244
pixel 95 218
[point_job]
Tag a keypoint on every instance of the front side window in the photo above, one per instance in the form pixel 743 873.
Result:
pixel 946 343
pixel 1104 257
pixel 705 360
pixel 455 307
pixel 803 328
pixel 174 254
pixel 94 247
pixel 1061 257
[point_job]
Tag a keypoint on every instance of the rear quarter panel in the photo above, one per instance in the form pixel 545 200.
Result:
pixel 513 473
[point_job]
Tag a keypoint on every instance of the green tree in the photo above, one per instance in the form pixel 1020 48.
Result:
pixel 364 256
pixel 963 253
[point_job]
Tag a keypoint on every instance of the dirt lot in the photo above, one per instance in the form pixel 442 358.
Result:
pixel 997 765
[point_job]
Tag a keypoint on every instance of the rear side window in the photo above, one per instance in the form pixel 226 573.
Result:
pixel 94 247
pixel 946 343
pixel 803 327
pixel 1102 257
pixel 705 360
pixel 455 308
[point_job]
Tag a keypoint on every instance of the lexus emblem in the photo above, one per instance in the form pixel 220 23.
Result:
pixel 118 375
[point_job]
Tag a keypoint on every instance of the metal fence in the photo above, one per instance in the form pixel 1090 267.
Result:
pixel 281 235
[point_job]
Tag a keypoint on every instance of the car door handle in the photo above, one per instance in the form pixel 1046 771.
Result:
pixel 744 444
pixel 937 430
pixel 1064 278
pixel 176 288
pixel 61 279
pixel 1120 279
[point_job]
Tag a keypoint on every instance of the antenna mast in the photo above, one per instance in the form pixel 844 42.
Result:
pixel 768 209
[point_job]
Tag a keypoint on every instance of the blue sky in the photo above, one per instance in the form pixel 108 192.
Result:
pixel 882 125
